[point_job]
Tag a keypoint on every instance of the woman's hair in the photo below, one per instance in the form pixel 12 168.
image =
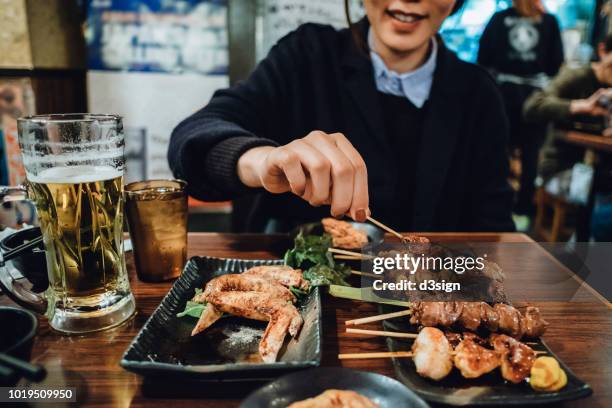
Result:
pixel 527 8
pixel 358 38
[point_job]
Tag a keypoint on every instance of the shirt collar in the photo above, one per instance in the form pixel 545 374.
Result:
pixel 414 85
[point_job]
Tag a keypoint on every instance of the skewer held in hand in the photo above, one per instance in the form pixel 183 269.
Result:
pixel 388 229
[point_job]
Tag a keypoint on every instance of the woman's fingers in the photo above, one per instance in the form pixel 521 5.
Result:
pixel 317 167
pixel 322 169
pixel 359 209
pixel 341 171
pixel 291 172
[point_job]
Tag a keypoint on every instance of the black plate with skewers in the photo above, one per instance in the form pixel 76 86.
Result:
pixel 490 389
pixel 228 350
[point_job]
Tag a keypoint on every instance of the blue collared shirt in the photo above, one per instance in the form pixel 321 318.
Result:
pixel 414 85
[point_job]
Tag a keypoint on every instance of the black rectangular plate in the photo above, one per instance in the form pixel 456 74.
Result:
pixel 490 389
pixel 164 346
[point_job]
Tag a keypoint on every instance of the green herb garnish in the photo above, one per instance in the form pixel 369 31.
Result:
pixel 310 254
pixel 193 309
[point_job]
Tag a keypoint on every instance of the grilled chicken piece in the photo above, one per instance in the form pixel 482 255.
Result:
pixel 336 399
pixel 516 357
pixel 470 317
pixel 343 234
pixel 473 360
pixel 282 316
pixel 246 283
pixel 431 314
pixel 509 319
pixel 283 274
pixel 432 354
pixel 532 323
pixel 210 315
pixel 235 282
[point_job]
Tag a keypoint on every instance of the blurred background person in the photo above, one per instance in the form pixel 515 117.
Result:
pixel 522 48
pixel 578 95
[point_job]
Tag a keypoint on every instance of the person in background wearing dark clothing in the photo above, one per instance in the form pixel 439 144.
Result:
pixel 522 48
pixel 379 118
pixel 576 95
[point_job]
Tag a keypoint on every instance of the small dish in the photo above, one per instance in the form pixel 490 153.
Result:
pixel 32 264
pixel 383 391
pixel 18 338
pixel 164 347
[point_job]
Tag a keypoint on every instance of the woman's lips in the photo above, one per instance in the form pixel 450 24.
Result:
pixel 404 21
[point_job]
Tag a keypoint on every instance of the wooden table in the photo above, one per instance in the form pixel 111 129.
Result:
pixel 588 140
pixel 579 331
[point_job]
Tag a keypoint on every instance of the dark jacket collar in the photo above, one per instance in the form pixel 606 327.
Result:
pixel 441 128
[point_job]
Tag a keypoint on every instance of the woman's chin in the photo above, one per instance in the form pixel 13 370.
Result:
pixel 402 43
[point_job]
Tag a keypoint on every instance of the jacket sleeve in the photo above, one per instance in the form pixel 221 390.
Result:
pixel 204 148
pixel 491 198
pixel 549 104
pixel 556 57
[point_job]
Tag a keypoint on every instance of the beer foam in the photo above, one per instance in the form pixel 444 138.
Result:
pixel 75 174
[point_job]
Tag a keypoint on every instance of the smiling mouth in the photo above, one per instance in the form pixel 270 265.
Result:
pixel 405 17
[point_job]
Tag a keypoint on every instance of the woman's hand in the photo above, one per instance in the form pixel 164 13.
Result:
pixel 591 105
pixel 321 168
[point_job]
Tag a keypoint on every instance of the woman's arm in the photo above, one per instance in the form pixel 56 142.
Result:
pixel 555 102
pixel 490 205
pixel 237 143
pixel 205 148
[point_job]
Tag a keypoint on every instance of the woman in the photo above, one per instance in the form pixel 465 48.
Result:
pixel 522 47
pixel 378 119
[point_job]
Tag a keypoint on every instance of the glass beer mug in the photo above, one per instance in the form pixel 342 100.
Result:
pixel 74 175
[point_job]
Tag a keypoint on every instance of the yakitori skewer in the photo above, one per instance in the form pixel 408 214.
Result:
pixel 386 228
pixel 435 356
pixel 364 320
pixel 367 274
pixel 382 354
pixel 400 335
pixel 349 253
pixel 473 316
pixel 348 257
pixel 390 354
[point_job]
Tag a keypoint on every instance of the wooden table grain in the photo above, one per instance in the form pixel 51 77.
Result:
pixel 588 140
pixel 579 330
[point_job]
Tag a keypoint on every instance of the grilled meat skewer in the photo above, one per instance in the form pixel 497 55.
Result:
pixel 474 316
pixel 434 357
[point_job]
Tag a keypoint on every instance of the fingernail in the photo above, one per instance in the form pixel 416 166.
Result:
pixel 360 215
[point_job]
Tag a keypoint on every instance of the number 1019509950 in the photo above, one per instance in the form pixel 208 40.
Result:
pixel 24 394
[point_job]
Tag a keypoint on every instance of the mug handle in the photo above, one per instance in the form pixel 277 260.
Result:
pixel 15 287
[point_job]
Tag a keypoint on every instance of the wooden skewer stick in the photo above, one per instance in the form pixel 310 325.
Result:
pixel 349 253
pixel 412 336
pixel 389 354
pixel 348 257
pixel 377 318
pixel 389 230
pixel 383 333
pixel 369 275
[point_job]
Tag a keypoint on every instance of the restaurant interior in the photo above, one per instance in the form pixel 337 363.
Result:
pixel 206 202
